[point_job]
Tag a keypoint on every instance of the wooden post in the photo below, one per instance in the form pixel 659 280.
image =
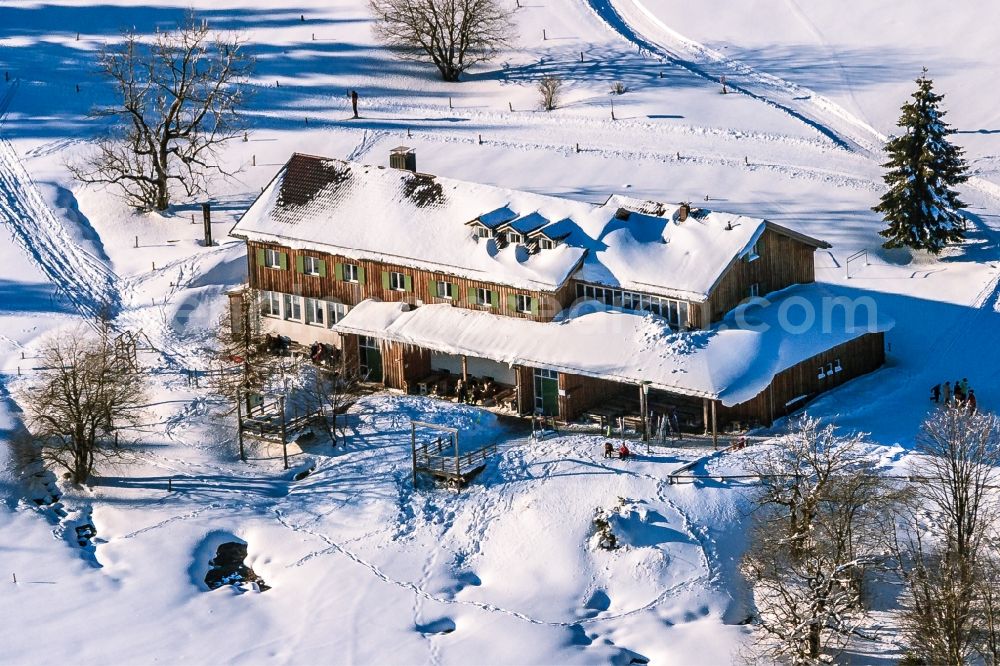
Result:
pixel 206 214
pixel 413 445
pixel 644 411
pixel 465 371
pixel 239 424
pixel 715 430
pixel 284 433
pixel 704 414
pixel 458 467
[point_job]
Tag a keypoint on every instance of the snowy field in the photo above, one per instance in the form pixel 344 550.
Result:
pixel 362 568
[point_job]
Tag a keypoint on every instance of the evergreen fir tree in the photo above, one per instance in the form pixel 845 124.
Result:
pixel 920 209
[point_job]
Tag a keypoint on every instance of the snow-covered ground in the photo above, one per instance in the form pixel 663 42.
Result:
pixel 364 569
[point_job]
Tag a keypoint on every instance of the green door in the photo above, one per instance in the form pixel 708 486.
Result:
pixel 371 359
pixel 547 392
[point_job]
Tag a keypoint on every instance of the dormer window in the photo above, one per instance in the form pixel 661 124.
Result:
pixel 755 251
pixel 545 244
pixel 482 232
pixel 514 238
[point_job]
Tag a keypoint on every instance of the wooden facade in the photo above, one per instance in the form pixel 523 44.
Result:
pixel 578 394
pixel 794 387
pixel 781 262
pixel 289 278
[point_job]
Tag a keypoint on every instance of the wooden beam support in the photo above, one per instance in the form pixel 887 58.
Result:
pixel 715 429
pixel 465 370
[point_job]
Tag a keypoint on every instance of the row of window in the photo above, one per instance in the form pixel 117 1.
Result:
pixel 516 238
pixel 312 311
pixel 391 281
pixel 675 312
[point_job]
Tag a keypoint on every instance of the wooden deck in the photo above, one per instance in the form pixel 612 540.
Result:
pixel 438 459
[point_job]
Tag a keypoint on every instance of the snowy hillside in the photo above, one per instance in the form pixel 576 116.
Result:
pixel 362 567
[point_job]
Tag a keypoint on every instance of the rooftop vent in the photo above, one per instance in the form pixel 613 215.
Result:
pixel 683 211
pixel 623 214
pixel 403 157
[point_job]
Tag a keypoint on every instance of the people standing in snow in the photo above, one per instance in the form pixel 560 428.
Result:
pixel 947 393
pixel 460 390
pixel 959 395
pixel 675 422
pixel 354 102
pixel 965 387
pixel 971 403
pixel 609 450
pixel 936 393
pixel 623 451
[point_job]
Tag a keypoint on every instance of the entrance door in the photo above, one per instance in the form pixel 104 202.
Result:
pixel 547 392
pixel 371 359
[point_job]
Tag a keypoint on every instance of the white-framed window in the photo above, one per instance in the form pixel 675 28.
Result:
pixel 272 258
pixel 350 272
pixel 397 281
pixel 444 289
pixel 315 312
pixel 755 251
pixel 335 312
pixel 292 307
pixel 270 304
pixel 755 290
pixel 545 244
pixel 482 232
pixel 514 238
pixel 675 312
pixel 523 303
pixel 484 297
pixel 310 265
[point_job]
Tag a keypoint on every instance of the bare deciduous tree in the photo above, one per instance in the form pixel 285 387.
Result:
pixel 452 34
pixel 86 395
pixel 179 100
pixel 943 542
pixel 550 90
pixel 812 541
pixel 245 366
pixel 336 387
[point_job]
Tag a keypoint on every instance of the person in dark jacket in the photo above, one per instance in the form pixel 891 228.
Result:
pixel 936 393
pixel 609 450
pixel 971 403
pixel 947 393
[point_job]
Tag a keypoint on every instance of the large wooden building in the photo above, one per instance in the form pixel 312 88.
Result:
pixel 557 304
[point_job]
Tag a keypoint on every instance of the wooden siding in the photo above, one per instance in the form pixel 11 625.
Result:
pixel 857 357
pixel 582 393
pixel 290 281
pixel 783 262
pixel 525 389
pixel 403 365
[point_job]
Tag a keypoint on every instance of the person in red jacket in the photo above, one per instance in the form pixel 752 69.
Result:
pixel 623 452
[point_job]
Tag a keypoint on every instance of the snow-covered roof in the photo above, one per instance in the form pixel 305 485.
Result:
pixel 418 220
pixel 732 362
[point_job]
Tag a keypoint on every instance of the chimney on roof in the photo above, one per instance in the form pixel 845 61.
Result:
pixel 402 157
pixel 683 211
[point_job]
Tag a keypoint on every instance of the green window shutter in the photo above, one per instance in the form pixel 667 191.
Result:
pixel 260 256
pixel 283 260
pixel 534 306
pixel 512 302
pixel 300 264
pixel 361 274
pixel 338 271
pixel 385 280
pixel 454 291
pixel 472 295
pixel 495 298
pixel 407 283
pixel 432 288
pixel 322 267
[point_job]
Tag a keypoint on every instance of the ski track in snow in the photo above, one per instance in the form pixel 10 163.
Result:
pixel 85 279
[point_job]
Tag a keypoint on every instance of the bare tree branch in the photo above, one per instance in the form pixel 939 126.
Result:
pixel 452 34
pixel 180 100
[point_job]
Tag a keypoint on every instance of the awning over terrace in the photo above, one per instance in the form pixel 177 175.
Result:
pixel 733 362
